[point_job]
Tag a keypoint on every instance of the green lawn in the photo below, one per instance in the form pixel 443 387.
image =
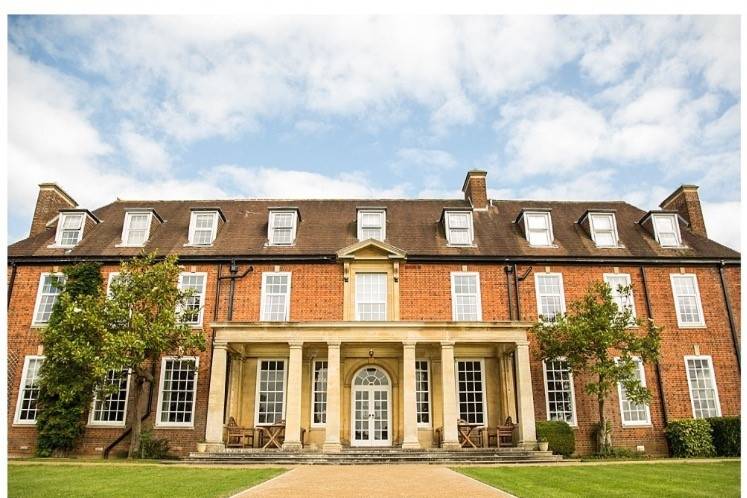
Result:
pixel 659 480
pixel 129 481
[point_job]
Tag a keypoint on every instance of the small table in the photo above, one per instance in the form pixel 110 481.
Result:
pixel 466 430
pixel 274 433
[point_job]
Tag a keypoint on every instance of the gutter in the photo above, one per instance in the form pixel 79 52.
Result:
pixel 730 313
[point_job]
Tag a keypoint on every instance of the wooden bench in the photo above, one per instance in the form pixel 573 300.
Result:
pixel 237 436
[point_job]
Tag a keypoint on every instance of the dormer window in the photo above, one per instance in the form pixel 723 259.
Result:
pixel 371 224
pixel 69 229
pixel 281 230
pixel 136 228
pixel 203 225
pixel 459 230
pixel 603 229
pixel 538 228
pixel 667 229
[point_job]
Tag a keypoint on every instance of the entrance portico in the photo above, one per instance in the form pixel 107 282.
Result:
pixel 370 383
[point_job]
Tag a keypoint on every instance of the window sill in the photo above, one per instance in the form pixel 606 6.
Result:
pixel 175 426
pixel 55 246
pixel 553 246
pixel 461 245
pixel 99 425
pixel 647 425
pixel 39 325
pixel 697 326
pixel 24 424
pixel 136 246
pixel 198 245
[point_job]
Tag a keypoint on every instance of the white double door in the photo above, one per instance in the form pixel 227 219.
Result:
pixel 371 416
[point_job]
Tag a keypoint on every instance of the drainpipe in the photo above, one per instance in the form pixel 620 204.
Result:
pixel 730 313
pixel 518 279
pixel 11 280
pixel 509 270
pixel 234 270
pixel 657 364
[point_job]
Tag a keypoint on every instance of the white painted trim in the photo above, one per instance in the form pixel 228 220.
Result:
pixel 257 385
pixel 680 324
pixel 537 291
pixel 109 280
pixel 126 228
pixel 574 418
pixel 355 292
pixel 96 423
pixel 471 228
pixel 605 276
pixel 158 422
pixel 548 218
pixel 34 322
pixel 453 294
pixel 713 379
pixel 192 228
pixel 204 275
pixel 642 373
pixel 613 222
pixel 382 218
pixel 263 295
pixel 390 428
pixel 675 224
pixel 430 395
pixel 313 391
pixel 271 224
pixel 483 382
pixel 61 223
pixel 19 397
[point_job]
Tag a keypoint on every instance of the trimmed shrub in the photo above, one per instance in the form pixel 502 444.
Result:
pixel 152 447
pixel 726 435
pixel 690 438
pixel 559 435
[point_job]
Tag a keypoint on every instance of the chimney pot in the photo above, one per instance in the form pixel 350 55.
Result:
pixel 686 201
pixel 50 200
pixel 475 189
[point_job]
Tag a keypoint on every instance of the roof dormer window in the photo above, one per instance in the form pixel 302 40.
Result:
pixel 667 229
pixel 603 229
pixel 70 229
pixel 371 224
pixel 281 230
pixel 538 228
pixel 203 226
pixel 459 229
pixel 136 229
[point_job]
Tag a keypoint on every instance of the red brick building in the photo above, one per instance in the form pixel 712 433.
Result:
pixel 383 322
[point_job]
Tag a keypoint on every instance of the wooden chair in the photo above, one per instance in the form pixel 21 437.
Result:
pixel 487 435
pixel 506 433
pixel 237 436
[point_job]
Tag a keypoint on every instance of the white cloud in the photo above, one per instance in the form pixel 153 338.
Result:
pixel 312 127
pixel 723 222
pixel 428 158
pixel 145 154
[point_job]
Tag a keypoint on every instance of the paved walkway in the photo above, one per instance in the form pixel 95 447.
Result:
pixel 426 481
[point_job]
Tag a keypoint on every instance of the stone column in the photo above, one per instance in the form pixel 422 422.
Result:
pixel 216 406
pixel 410 441
pixel 527 436
pixel 507 395
pixel 448 386
pixel 293 406
pixel 332 432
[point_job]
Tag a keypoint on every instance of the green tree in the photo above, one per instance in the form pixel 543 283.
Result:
pixel 73 343
pixel 599 341
pixel 146 313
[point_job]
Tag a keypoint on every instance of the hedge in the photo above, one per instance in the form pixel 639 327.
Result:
pixel 726 435
pixel 690 438
pixel 559 435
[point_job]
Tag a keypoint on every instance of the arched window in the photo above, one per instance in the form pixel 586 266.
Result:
pixel 371 376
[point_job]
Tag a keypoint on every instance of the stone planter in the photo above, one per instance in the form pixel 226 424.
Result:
pixel 543 445
pixel 201 447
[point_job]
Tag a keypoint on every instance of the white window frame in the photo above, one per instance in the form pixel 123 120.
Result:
pixel 483 378
pixel 193 227
pixel 109 281
pixel 613 230
pixel 161 380
pixel 548 219
pixel 314 392
pixel 709 359
pixel 608 276
pixel 635 423
pixel 271 226
pixel 386 297
pixel 257 390
pixel 91 413
pixel 34 321
pixel 574 418
pixel 382 219
pixel 675 224
pixel 698 303
pixel 19 398
pixel 429 391
pixel 470 228
pixel 537 291
pixel 263 297
pixel 61 223
pixel 198 323
pixel 126 227
pixel 475 274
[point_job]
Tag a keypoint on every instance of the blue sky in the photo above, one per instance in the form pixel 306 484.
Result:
pixel 284 107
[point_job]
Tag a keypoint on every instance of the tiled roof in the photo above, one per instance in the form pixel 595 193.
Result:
pixel 412 225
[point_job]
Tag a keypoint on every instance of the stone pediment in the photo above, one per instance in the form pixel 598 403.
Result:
pixel 371 249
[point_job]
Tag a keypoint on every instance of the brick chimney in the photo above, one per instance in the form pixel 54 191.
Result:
pixel 686 202
pixel 48 204
pixel 475 189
